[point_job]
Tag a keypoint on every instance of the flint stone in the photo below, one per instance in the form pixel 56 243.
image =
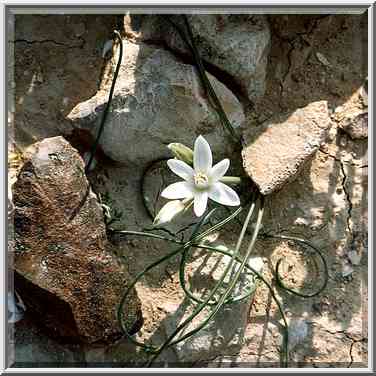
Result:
pixel 157 100
pixel 236 44
pixel 64 270
pixel 278 149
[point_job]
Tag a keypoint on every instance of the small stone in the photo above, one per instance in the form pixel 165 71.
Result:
pixel 278 149
pixel 347 270
pixel 322 59
pixel 355 124
pixel 301 221
pixel 354 257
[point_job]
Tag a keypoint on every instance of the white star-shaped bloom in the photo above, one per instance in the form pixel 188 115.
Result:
pixel 202 181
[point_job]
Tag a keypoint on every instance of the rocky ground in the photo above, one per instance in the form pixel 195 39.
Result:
pixel 295 87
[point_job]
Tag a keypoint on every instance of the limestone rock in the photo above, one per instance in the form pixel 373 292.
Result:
pixel 355 124
pixel 64 271
pixel 236 44
pixel 277 149
pixel 157 100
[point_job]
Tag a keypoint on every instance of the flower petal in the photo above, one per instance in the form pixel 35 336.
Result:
pixel 202 156
pixel 182 189
pixel 219 170
pixel 168 212
pixel 224 195
pixel 200 202
pixel 181 169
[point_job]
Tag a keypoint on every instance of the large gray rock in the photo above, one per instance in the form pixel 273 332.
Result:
pixel 236 44
pixel 157 100
pixel 64 270
pixel 277 150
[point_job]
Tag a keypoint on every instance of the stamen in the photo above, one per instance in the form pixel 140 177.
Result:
pixel 201 180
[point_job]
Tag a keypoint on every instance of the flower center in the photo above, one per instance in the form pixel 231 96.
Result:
pixel 201 180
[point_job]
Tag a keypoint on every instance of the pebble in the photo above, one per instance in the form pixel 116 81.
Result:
pixel 322 59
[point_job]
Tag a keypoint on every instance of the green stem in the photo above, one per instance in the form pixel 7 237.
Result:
pixel 278 277
pixel 129 289
pixel 204 79
pixel 201 306
pixel 185 254
pixel 147 234
pixel 235 279
pixel 159 261
pixel 105 113
pixel 217 104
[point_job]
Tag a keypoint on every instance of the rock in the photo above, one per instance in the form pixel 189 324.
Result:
pixel 156 97
pixel 354 257
pixel 347 269
pixel 355 124
pixel 225 332
pixel 277 149
pixel 236 44
pixel 359 354
pixel 64 270
pixel 298 332
pixel 54 72
pixel 31 347
pixel 322 59
pixel 157 100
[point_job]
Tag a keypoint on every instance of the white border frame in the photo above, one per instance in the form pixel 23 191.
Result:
pixel 153 3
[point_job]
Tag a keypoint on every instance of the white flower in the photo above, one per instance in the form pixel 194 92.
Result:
pixel 202 181
pixel 169 211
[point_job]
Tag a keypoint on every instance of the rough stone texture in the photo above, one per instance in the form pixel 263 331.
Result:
pixel 352 116
pixel 235 44
pixel 356 125
pixel 157 100
pixel 63 268
pixel 277 149
pixel 57 64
